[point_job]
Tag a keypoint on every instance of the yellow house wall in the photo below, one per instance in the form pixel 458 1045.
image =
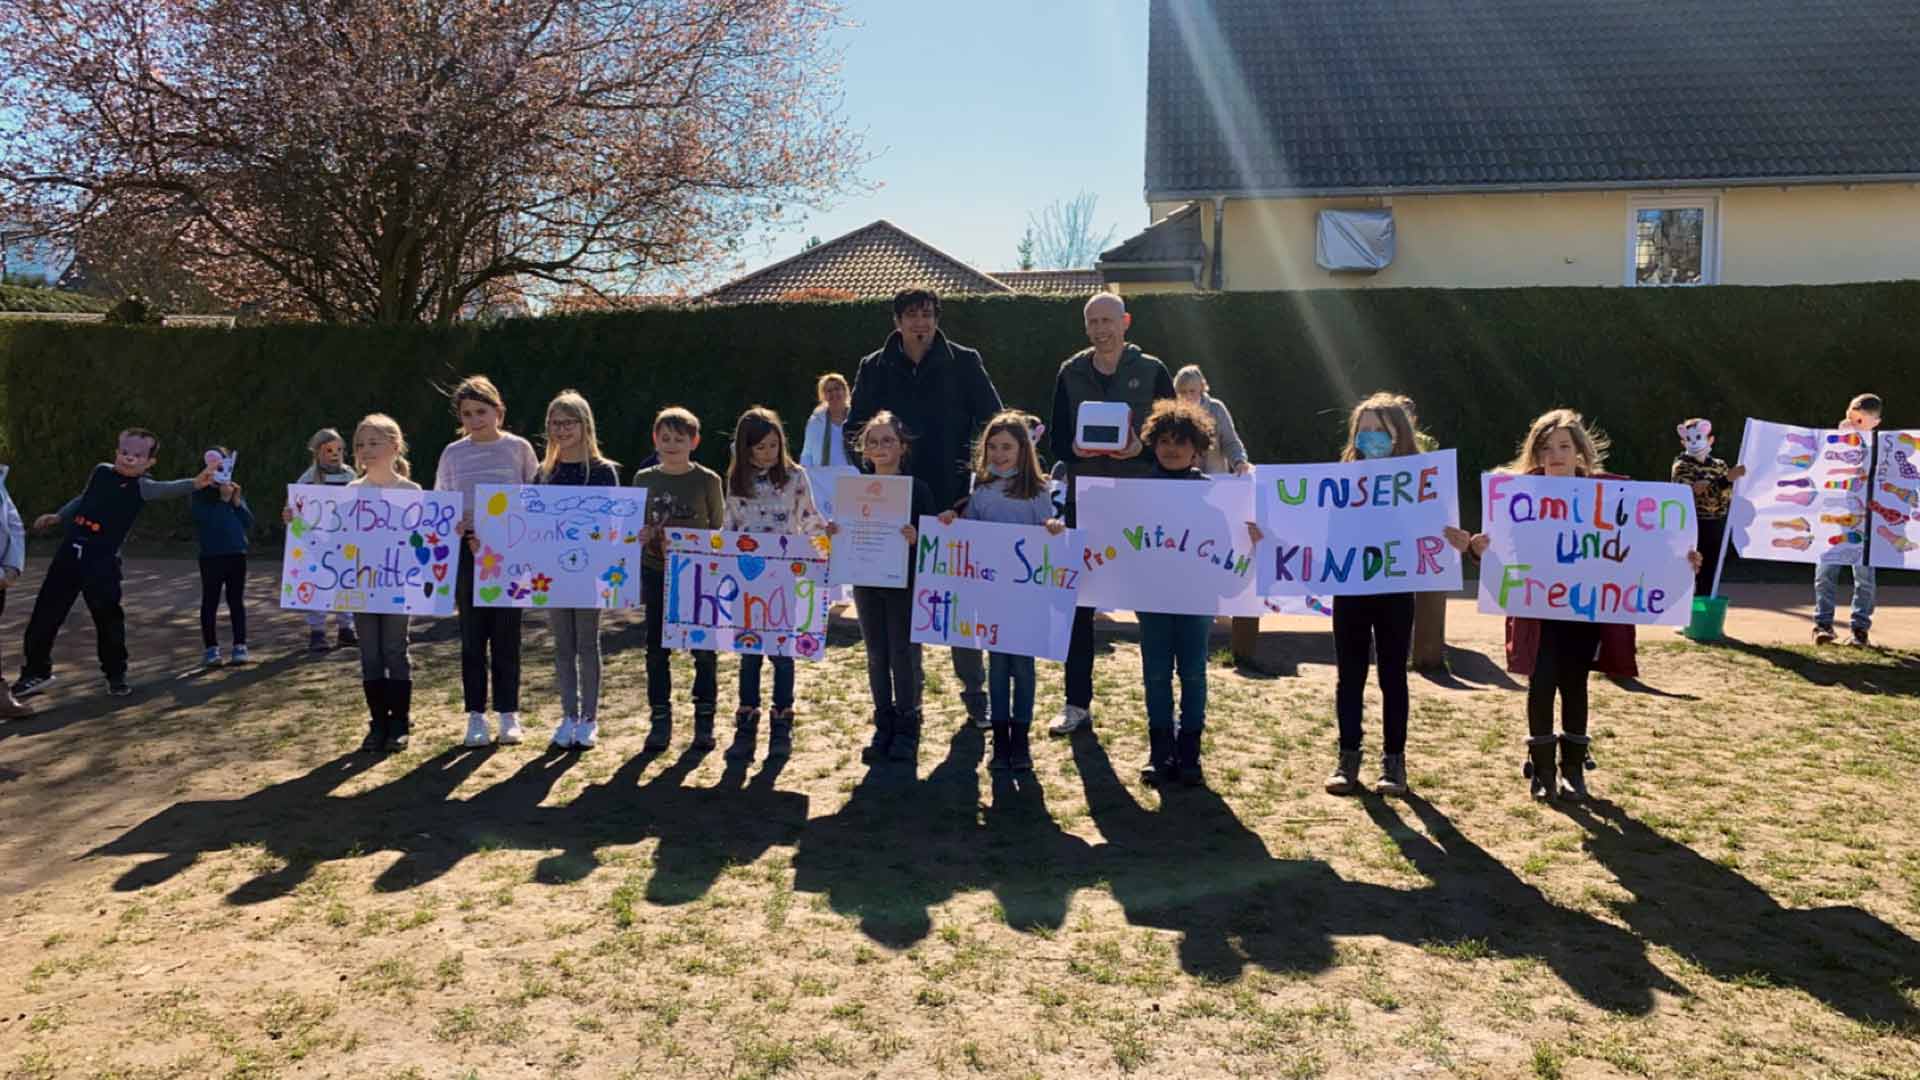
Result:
pixel 1768 236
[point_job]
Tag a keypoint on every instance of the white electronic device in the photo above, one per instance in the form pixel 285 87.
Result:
pixel 1103 425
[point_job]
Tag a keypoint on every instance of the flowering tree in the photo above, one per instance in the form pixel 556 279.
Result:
pixel 400 160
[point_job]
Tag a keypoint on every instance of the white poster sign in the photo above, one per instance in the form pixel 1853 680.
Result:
pixel 558 546
pixel 1178 547
pixel 1896 501
pixel 741 592
pixel 869 548
pixel 1004 588
pixel 380 550
pixel 1358 527
pixel 1804 496
pixel 1607 551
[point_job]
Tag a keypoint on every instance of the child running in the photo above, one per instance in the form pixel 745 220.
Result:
pixel 1009 488
pixel 766 493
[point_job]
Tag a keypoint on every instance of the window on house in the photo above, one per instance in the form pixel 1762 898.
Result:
pixel 1672 242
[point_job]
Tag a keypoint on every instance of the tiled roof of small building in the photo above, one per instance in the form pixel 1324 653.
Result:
pixel 1051 282
pixel 873 261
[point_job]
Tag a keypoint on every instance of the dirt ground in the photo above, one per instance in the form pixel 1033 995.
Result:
pixel 204 880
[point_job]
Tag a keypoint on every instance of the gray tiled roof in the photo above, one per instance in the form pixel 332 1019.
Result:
pixel 1050 282
pixel 872 261
pixel 1303 96
pixel 1174 238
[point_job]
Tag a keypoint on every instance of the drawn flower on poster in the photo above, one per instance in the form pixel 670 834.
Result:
pixel 490 561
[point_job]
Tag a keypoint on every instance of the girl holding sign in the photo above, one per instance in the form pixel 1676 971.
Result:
pixel 893 660
pixel 489 636
pixel 1009 488
pixel 1557 655
pixel 1379 625
pixel 573 459
pixel 766 493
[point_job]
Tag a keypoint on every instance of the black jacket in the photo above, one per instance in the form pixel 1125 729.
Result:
pixel 944 401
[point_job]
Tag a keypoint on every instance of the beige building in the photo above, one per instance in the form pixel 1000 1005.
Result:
pixel 1520 142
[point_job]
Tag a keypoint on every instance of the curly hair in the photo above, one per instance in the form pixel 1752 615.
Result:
pixel 1181 422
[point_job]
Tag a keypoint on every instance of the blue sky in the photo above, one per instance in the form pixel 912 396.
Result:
pixel 980 113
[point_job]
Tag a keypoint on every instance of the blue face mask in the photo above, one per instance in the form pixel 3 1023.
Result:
pixel 1373 444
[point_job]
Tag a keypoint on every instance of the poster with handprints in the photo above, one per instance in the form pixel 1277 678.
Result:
pixel 558 546
pixel 1895 505
pixel 762 593
pixel 1804 496
pixel 368 549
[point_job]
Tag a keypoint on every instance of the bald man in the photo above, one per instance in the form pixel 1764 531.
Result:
pixel 1111 369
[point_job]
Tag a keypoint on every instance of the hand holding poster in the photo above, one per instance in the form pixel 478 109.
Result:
pixel 1804 496
pixel 558 546
pixel 762 593
pixel 1179 547
pixel 1006 588
pixel 361 548
pixel 869 548
pixel 1358 527
pixel 1896 501
pixel 1609 551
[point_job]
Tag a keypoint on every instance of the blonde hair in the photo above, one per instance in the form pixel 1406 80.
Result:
pixel 388 426
pixel 481 389
pixel 321 438
pixel 1396 415
pixel 1190 374
pixel 831 378
pixel 1029 482
pixel 572 403
pixel 1590 443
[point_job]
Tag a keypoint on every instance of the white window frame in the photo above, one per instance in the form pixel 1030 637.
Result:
pixel 1709 235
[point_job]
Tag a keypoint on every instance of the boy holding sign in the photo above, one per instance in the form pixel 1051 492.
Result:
pixel 680 492
pixel 1558 653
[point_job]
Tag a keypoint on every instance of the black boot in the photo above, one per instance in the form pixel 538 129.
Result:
pixel 1187 750
pixel 1345 779
pixel 880 748
pixel 906 738
pixel 399 713
pixel 1162 764
pixel 746 733
pixel 1539 767
pixel 780 733
pixel 660 730
pixel 1573 767
pixel 1022 751
pixel 703 727
pixel 376 691
pixel 1002 747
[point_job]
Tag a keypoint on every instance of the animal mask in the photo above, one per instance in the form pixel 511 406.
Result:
pixel 1697 438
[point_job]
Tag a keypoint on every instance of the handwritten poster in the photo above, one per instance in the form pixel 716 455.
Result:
pixel 361 548
pixel 869 548
pixel 1608 551
pixel 1179 547
pixel 1804 497
pixel 824 480
pixel 762 593
pixel 1359 527
pixel 1004 588
pixel 556 546
pixel 1896 501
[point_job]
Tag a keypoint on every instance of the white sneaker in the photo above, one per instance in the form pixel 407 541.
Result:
pixel 510 730
pixel 564 735
pixel 1071 719
pixel 586 734
pixel 477 733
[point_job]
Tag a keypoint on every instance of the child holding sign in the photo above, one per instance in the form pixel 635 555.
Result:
pixel 1557 655
pixel 489 636
pixel 893 660
pixel 386 671
pixel 1379 626
pixel 680 492
pixel 1010 489
pixel 573 459
pixel 329 453
pixel 1863 416
pixel 766 493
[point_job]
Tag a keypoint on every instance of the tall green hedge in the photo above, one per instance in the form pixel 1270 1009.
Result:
pixel 1480 363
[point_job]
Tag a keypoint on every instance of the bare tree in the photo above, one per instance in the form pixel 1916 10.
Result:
pixel 1062 234
pixel 392 162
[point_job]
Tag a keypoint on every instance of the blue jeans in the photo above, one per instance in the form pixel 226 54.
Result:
pixel 1826 586
pixel 750 681
pixel 1168 642
pixel 1013 675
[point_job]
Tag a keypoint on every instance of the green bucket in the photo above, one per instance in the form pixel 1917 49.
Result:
pixel 1709 618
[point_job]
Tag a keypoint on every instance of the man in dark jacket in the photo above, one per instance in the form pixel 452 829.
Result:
pixel 942 394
